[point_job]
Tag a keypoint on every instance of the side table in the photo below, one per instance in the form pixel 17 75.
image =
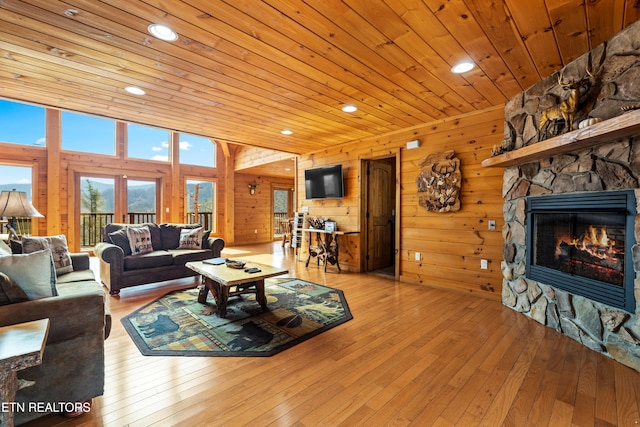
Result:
pixel 327 248
pixel 21 346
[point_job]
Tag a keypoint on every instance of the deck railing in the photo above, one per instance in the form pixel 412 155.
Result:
pixel 92 223
pixel 23 226
pixel 278 228
pixel 204 218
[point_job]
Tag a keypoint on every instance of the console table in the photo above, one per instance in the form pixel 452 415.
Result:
pixel 326 247
pixel 21 346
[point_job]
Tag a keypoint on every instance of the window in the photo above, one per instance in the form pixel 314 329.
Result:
pixel 88 133
pixel 197 150
pixel 16 178
pixel 147 143
pixel 96 194
pixel 96 208
pixel 141 201
pixel 22 124
pixel 282 202
pixel 200 203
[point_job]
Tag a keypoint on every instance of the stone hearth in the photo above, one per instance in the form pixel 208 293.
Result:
pixel 613 165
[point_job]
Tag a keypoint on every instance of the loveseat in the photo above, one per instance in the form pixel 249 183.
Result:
pixel 72 368
pixel 131 256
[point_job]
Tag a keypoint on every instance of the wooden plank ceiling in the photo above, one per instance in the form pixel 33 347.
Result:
pixel 243 70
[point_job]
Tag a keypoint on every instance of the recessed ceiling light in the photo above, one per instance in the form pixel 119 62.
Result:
pixel 163 32
pixel 462 67
pixel 286 132
pixel 135 90
pixel 349 108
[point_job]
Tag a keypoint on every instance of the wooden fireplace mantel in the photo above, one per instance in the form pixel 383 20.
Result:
pixel 623 126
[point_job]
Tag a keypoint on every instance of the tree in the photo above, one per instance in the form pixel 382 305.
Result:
pixel 91 198
pixel 92 202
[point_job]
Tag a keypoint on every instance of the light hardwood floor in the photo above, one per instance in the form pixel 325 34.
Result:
pixel 412 355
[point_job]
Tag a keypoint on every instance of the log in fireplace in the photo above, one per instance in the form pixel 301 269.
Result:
pixel 581 243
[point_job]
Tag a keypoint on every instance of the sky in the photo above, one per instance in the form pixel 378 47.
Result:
pixel 25 124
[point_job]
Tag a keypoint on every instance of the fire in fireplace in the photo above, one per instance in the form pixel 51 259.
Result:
pixel 581 243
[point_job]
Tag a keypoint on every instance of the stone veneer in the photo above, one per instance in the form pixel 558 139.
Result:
pixel 611 166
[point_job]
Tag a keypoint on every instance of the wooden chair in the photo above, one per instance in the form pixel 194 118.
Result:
pixel 286 225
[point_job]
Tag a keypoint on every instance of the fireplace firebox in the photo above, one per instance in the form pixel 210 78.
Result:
pixel 581 243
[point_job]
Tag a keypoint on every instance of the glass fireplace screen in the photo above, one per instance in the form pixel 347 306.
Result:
pixel 590 245
pixel 581 243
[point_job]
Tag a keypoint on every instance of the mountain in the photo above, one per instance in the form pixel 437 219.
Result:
pixel 141 198
pixel 18 187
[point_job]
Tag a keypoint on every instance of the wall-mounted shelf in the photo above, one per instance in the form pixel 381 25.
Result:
pixel 623 126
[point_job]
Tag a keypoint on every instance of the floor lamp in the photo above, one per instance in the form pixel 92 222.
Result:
pixel 14 204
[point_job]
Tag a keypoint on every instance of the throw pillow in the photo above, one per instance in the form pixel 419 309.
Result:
pixel 170 234
pixel 139 240
pixel 120 238
pixel 33 272
pixel 4 249
pixel 191 238
pixel 59 250
pixel 10 292
pixel 205 239
pixel 16 246
pixel 156 240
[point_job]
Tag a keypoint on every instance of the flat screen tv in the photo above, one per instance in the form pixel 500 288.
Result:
pixel 324 182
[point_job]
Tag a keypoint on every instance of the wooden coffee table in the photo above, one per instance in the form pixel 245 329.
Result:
pixel 224 282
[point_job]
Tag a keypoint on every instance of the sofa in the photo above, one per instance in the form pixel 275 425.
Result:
pixel 72 368
pixel 137 254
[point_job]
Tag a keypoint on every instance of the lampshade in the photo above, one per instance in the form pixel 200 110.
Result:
pixel 15 204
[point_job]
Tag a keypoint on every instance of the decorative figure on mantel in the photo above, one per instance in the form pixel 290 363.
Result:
pixel 635 106
pixel 439 182
pixel 505 145
pixel 588 122
pixel 565 111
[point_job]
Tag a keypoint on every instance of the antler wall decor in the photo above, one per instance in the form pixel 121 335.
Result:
pixel 439 182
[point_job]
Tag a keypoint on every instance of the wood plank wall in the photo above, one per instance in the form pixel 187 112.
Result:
pixel 250 157
pixel 452 244
pixel 254 213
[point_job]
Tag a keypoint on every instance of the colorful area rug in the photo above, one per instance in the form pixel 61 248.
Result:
pixel 177 325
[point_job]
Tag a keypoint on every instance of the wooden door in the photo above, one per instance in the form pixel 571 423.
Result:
pixel 101 199
pixel 282 208
pixel 96 205
pixel 380 219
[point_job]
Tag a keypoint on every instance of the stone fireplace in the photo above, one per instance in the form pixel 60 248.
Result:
pixel 571 258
